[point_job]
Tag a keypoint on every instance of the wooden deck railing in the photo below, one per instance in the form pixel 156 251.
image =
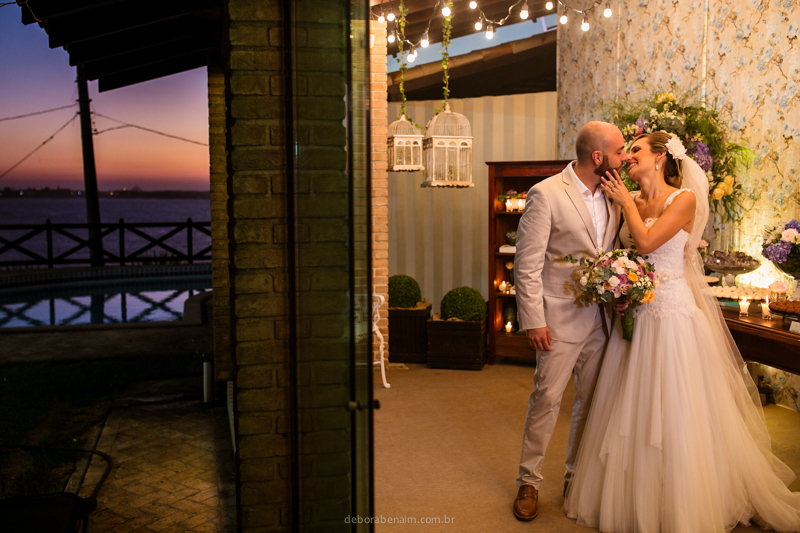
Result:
pixel 53 245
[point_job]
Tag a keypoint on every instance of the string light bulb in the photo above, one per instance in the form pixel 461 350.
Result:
pixel 390 16
pixel 479 25
pixel 585 24
pixel 523 14
pixel 548 6
pixel 489 31
pixel 390 37
pixel 563 18
pixel 424 42
pixel 607 11
pixel 381 18
pixel 445 11
pixel 473 4
pixel 411 56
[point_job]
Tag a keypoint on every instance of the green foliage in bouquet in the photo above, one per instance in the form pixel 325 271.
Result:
pixel 403 291
pixel 464 303
pixel 702 131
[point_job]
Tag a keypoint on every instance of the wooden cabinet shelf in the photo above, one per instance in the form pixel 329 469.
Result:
pixel 503 176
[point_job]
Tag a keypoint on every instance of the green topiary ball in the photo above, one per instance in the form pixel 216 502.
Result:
pixel 403 291
pixel 464 303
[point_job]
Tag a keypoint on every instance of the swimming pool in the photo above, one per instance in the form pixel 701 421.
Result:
pixel 119 296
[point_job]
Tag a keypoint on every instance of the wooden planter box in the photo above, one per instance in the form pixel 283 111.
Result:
pixel 457 345
pixel 408 335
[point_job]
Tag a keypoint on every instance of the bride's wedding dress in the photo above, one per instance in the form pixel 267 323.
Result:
pixel 670 445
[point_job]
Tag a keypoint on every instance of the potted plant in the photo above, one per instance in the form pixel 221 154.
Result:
pixel 457 336
pixel 408 315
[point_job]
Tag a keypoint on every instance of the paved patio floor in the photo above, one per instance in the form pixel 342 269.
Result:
pixel 173 464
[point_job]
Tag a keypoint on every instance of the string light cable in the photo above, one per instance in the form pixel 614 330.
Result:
pixel 128 125
pixel 18 163
pixel 38 112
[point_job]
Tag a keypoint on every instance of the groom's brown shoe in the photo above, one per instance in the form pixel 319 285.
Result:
pixel 526 506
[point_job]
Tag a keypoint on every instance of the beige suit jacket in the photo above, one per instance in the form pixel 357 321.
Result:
pixel 557 223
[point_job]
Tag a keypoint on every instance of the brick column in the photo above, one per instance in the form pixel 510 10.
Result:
pixel 259 300
pixel 220 283
pixel 380 178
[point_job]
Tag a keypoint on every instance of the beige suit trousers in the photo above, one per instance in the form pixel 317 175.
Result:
pixel 553 370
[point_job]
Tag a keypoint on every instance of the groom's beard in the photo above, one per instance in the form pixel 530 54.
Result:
pixel 604 167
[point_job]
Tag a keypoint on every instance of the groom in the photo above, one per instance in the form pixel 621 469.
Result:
pixel 566 214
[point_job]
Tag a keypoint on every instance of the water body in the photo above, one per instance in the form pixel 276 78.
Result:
pixel 73 210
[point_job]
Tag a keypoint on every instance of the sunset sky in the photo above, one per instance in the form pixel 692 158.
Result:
pixel 34 78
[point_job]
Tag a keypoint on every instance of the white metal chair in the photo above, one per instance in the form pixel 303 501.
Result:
pixel 377 302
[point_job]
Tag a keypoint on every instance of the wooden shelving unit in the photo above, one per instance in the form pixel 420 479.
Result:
pixel 503 176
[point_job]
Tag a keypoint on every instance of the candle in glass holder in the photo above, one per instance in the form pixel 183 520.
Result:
pixel 508 327
pixel 509 205
pixel 766 314
pixel 520 204
pixel 503 286
pixel 744 305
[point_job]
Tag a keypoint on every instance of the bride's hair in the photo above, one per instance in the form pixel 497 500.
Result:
pixel 658 144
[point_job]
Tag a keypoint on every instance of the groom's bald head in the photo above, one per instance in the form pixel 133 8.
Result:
pixel 595 136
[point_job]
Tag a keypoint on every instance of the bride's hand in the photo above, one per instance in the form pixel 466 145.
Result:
pixel 615 189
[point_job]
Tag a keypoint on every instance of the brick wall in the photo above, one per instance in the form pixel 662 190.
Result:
pixel 258 251
pixel 289 263
pixel 380 177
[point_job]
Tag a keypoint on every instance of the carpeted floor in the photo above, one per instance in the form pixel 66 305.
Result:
pixel 447 446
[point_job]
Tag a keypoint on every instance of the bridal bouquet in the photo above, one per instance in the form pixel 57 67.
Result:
pixel 620 274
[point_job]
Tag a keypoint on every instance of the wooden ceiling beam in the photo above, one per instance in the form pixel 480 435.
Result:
pixel 151 56
pixel 144 37
pixel 121 16
pixel 154 71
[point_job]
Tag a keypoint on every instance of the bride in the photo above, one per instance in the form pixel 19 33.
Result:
pixel 676 440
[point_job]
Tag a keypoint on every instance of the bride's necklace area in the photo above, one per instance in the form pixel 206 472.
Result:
pixel 646 207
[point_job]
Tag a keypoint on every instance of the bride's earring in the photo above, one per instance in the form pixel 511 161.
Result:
pixel 656 166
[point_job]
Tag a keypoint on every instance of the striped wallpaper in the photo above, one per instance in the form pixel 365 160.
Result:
pixel 439 236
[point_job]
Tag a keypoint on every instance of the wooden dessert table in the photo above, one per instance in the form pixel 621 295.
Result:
pixel 764 341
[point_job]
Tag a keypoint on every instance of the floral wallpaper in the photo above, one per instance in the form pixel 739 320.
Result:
pixel 745 56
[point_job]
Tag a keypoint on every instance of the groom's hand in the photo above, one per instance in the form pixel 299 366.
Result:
pixel 539 338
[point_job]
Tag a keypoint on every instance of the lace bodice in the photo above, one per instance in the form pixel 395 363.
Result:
pixel 673 294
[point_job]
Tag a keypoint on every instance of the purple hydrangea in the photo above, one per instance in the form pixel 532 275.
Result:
pixel 706 162
pixel 792 224
pixel 777 252
pixel 641 122
pixel 699 152
pixel 699 148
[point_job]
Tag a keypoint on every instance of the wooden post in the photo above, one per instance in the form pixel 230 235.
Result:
pixel 89 172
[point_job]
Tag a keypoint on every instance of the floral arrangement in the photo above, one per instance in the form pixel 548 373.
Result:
pixel 620 274
pixel 782 247
pixel 511 195
pixel 704 135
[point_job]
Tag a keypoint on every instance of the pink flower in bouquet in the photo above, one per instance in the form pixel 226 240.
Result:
pixel 789 235
pixel 778 287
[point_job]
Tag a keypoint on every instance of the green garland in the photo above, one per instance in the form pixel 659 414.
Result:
pixel 401 25
pixel 702 132
pixel 447 28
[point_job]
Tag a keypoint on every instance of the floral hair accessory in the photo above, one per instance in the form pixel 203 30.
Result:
pixel 675 148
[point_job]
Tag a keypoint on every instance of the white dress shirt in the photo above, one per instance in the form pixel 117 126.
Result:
pixel 596 204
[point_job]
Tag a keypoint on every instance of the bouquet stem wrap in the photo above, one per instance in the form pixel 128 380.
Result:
pixel 627 324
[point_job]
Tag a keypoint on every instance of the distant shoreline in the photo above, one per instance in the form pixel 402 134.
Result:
pixel 122 194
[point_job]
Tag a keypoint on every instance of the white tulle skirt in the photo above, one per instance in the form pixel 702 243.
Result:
pixel 665 449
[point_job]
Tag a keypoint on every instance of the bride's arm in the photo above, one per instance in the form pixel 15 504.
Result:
pixel 675 216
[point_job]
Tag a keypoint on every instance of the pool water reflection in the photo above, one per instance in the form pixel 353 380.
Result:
pixel 112 302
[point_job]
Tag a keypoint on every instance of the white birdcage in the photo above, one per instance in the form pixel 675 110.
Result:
pixel 447 151
pixel 405 146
